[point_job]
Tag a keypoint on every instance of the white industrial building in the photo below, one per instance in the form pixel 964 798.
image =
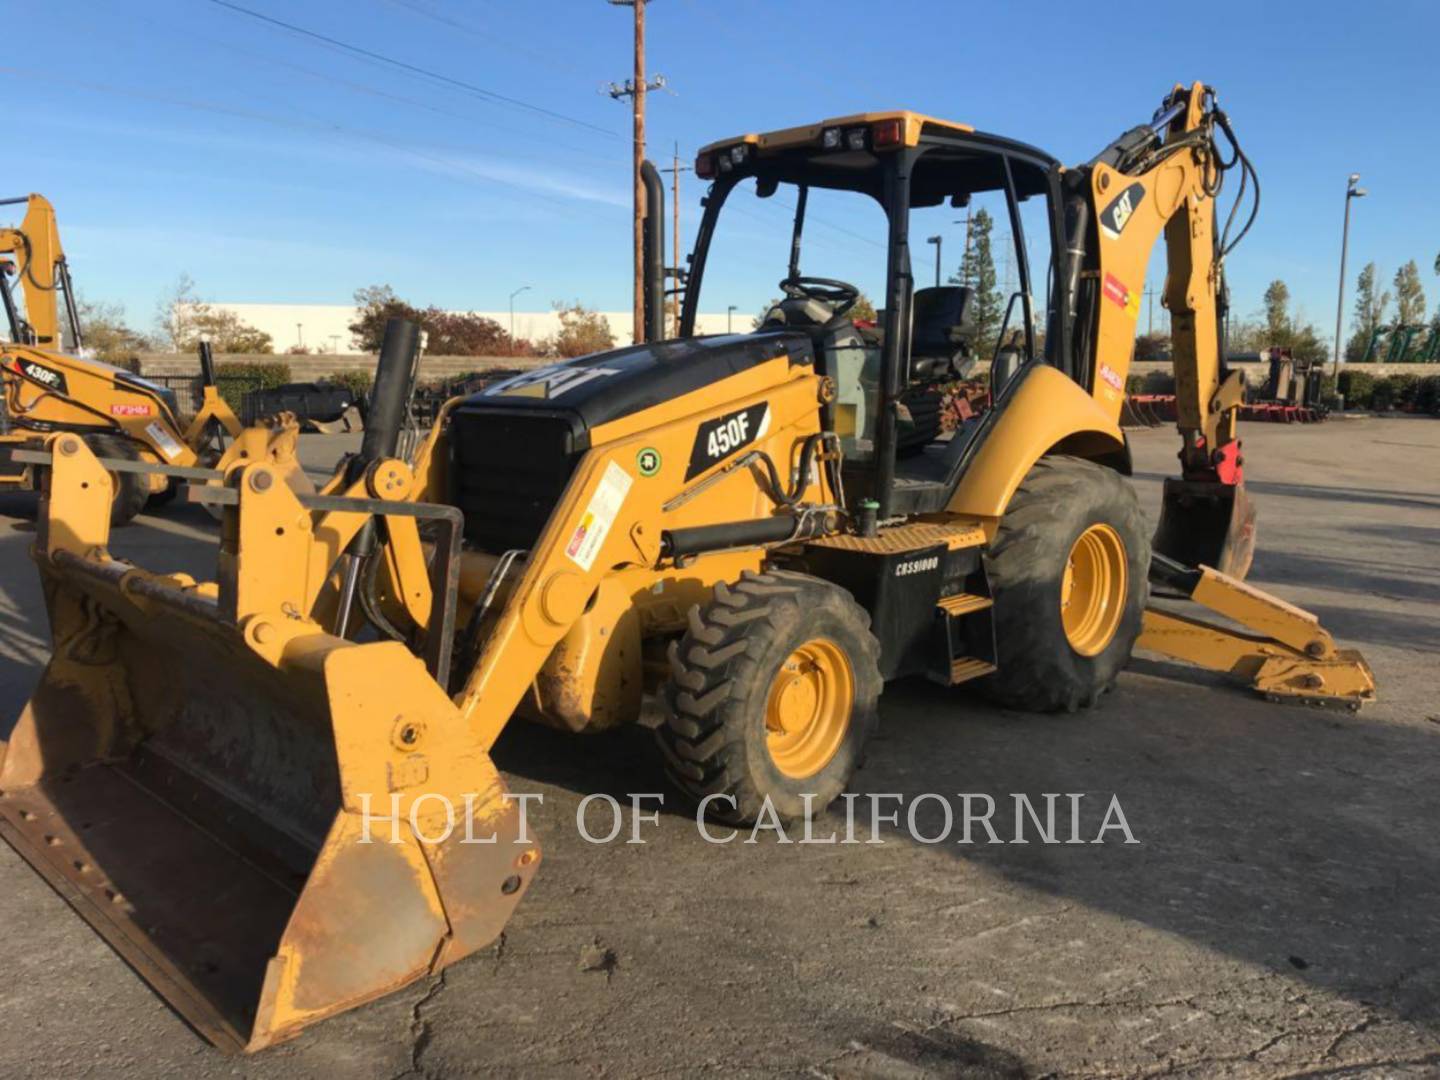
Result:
pixel 326 327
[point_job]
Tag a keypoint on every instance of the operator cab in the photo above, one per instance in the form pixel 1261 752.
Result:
pixel 892 365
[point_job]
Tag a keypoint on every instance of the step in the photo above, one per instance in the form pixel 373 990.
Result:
pixel 968 667
pixel 963 604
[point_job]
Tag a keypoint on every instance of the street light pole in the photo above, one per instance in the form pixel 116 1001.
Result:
pixel 937 241
pixel 514 294
pixel 1351 192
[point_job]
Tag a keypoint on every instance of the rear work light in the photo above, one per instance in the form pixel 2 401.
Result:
pixel 888 133
pixel 830 138
pixel 855 138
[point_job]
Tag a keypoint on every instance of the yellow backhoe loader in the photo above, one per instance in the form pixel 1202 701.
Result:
pixel 248 786
pixel 44 388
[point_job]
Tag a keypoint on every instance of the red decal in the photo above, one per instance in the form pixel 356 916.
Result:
pixel 1228 464
pixel 1116 291
pixel 576 540
pixel 129 410
pixel 1111 376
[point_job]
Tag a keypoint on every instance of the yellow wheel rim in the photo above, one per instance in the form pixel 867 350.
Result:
pixel 1092 593
pixel 807 711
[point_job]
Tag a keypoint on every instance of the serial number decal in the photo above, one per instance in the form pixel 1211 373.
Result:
pixel 163 440
pixel 43 375
pixel 717 439
pixel 138 409
pixel 917 566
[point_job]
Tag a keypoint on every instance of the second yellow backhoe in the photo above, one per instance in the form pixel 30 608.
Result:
pixel 249 786
pixel 48 384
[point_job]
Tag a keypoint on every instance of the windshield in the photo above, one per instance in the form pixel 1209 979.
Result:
pixel 844 238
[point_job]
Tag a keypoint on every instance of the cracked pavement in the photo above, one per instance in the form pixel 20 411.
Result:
pixel 1280 916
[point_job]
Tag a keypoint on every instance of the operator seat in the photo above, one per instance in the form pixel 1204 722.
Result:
pixel 941 328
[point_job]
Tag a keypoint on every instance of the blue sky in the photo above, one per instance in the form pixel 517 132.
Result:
pixel 180 136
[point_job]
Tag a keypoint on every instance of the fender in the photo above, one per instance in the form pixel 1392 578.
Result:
pixel 1046 413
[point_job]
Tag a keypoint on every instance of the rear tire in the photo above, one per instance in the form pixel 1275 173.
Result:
pixel 1069 570
pixel 773 692
pixel 164 497
pixel 129 491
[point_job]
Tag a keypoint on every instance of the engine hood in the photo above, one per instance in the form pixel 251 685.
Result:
pixel 605 386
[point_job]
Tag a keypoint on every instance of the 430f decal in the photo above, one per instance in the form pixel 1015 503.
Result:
pixel 43 375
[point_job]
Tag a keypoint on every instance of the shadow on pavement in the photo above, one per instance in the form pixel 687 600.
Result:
pixel 1326 493
pixel 1297 840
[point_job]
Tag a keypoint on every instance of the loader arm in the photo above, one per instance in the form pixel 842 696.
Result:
pixel 614 515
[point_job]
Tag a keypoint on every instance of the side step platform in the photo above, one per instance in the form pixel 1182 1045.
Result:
pixel 969 634
pixel 1282 651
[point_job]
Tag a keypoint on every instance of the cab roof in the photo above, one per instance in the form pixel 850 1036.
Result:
pixel 913 124
pixel 842 152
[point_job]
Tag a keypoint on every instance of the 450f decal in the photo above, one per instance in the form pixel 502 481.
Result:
pixel 719 438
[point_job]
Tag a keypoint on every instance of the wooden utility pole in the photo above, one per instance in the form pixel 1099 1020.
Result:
pixel 635 89
pixel 678 269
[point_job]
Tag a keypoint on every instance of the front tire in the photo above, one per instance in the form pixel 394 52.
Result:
pixel 129 491
pixel 1069 571
pixel 773 694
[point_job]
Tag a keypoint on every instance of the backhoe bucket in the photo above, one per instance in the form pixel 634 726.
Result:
pixel 269 823
pixel 1206 523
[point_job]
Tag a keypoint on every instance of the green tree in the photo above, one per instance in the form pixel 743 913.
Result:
pixel 977 271
pixel 1276 327
pixel 1435 322
pixel 1277 312
pixel 582 331
pixel 375 305
pixel 1152 347
pixel 107 335
pixel 463 334
pixel 1409 295
pixel 1370 308
pixel 183 319
pixel 447 333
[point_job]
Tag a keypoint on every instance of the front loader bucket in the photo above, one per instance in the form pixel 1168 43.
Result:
pixel 1206 523
pixel 255 818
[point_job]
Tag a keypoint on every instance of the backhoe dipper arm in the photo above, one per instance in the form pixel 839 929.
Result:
pixel 1165 177
pixel 40 263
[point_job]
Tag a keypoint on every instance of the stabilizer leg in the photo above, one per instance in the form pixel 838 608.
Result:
pixel 1283 651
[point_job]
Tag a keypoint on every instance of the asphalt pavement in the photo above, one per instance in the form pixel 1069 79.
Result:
pixel 1279 914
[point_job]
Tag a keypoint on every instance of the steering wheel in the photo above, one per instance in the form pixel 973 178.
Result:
pixel 840 295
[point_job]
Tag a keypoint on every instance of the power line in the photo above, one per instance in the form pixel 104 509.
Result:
pixel 449 166
pixel 479 91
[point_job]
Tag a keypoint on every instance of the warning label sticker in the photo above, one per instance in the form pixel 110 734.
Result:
pixel 1119 294
pixel 599 516
pixel 1111 376
pixel 163 439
